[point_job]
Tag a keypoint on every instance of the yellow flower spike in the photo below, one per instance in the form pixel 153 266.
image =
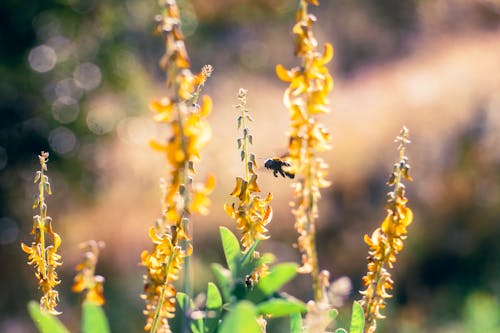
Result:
pixel 181 197
pixel 42 256
pixel 85 280
pixel 251 213
pixel 306 98
pixel 387 241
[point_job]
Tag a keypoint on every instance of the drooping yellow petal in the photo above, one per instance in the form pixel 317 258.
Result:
pixel 157 146
pixel 283 74
pixel 327 53
pixel 206 106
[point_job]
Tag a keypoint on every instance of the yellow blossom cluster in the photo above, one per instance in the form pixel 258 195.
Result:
pixel 44 257
pixel 186 116
pixel 387 240
pixel 306 98
pixel 252 213
pixel 85 279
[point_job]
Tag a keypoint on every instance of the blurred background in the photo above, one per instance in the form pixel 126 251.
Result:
pixel 77 76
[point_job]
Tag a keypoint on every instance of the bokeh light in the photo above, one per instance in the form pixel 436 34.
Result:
pixel 65 109
pixel 9 230
pixel 42 58
pixel 62 140
pixel 103 116
pixel 68 88
pixel 87 76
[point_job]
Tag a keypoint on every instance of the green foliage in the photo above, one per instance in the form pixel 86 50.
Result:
pixel 278 307
pixel 482 314
pixel 295 323
pixel 231 248
pixel 278 276
pixel 242 318
pixel 46 323
pixel 244 302
pixel 357 319
pixel 94 319
pixel 214 308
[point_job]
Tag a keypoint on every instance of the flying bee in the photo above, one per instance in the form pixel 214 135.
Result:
pixel 276 165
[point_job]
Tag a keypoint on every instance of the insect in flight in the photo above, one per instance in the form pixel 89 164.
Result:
pixel 276 165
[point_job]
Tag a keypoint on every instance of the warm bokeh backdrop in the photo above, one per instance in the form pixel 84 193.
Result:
pixel 77 78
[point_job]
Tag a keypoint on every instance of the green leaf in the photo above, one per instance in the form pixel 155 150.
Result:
pixel 248 263
pixel 242 318
pixel 93 318
pixel 46 323
pixel 272 282
pixel 223 276
pixel 213 307
pixel 295 323
pixel 333 314
pixel 278 307
pixel 183 309
pixel 340 330
pixel 184 302
pixel 232 249
pixel 357 319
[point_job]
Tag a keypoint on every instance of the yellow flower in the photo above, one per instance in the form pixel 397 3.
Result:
pixel 252 213
pixel 190 132
pixel 85 279
pixel 387 241
pixel 44 257
pixel 306 98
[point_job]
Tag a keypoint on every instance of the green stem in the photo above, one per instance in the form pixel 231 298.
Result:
pixel 43 215
pixel 311 234
pixel 245 141
pixel 162 295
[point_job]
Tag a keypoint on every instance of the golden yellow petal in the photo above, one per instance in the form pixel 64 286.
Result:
pixel 26 248
pixel 95 295
pixel 408 217
pixel 157 146
pixel 237 188
pixel 78 285
pixel 210 183
pixel 252 185
pixel 57 241
pixel 283 74
pixel 206 106
pixel 327 53
pixel 229 209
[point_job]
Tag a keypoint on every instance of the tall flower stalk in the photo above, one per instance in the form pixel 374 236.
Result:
pixel 306 99
pixel 184 111
pixel 252 213
pixel 387 240
pixel 42 256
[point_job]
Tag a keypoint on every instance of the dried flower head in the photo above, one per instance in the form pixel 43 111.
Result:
pixel 42 256
pixel 387 240
pixel 182 111
pixel 86 281
pixel 306 98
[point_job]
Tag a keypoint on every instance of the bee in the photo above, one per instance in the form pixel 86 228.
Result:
pixel 276 165
pixel 249 281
